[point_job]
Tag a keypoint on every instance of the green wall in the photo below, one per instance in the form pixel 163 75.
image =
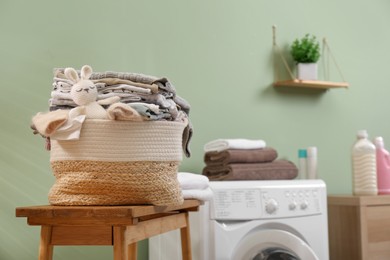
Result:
pixel 218 54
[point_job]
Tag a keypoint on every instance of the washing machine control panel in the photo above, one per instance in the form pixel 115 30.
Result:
pixel 265 202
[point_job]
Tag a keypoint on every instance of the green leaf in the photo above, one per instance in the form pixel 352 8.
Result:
pixel 306 49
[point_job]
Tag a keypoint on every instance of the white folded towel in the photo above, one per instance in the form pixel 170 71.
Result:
pixel 224 144
pixel 192 181
pixel 194 186
pixel 204 195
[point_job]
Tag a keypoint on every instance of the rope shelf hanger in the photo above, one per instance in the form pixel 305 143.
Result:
pixel 294 82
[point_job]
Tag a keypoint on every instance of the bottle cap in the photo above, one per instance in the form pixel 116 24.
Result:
pixel 302 153
pixel 362 134
pixel 378 141
pixel 312 151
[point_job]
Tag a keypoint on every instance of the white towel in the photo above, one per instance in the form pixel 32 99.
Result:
pixel 192 181
pixel 224 144
pixel 204 195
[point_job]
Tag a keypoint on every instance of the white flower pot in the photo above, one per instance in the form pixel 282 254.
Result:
pixel 307 71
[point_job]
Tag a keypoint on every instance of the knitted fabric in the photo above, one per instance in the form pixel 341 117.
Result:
pixel 117 163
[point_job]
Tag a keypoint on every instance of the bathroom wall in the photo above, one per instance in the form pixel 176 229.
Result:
pixel 218 54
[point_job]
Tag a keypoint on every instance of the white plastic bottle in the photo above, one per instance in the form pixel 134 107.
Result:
pixel 364 166
pixel 312 163
pixel 382 166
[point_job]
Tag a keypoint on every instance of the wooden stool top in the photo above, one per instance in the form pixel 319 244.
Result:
pixel 98 215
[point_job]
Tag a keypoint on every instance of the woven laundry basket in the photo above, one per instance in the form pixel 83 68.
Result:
pixel 118 163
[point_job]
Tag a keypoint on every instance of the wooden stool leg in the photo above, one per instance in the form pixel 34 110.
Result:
pixel 119 243
pixel 186 240
pixel 45 246
pixel 132 251
pixel 123 250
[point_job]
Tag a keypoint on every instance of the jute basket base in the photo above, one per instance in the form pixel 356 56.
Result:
pixel 115 183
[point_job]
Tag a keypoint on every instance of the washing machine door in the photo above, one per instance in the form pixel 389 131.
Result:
pixel 273 245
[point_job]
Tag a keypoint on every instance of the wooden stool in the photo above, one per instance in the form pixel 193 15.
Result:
pixel 119 226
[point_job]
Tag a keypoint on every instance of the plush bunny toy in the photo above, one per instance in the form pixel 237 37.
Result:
pixel 84 92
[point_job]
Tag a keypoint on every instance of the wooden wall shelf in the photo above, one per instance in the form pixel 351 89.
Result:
pixel 314 84
pixel 297 83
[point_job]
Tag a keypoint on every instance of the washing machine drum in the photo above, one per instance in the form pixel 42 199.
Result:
pixel 273 245
pixel 275 254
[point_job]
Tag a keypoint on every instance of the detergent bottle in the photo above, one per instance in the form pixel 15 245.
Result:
pixel 382 166
pixel 364 166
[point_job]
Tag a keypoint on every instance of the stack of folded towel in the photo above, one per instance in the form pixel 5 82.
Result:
pixel 194 186
pixel 243 159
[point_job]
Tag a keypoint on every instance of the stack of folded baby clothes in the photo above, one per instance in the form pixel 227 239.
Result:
pixel 146 98
pixel 243 159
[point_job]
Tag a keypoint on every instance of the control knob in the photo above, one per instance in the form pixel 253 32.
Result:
pixel 271 206
pixel 304 204
pixel 292 205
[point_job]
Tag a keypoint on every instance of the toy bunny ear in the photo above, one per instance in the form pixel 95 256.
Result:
pixel 71 74
pixel 86 72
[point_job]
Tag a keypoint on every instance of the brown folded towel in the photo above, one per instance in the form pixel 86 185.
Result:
pixel 267 154
pixel 276 170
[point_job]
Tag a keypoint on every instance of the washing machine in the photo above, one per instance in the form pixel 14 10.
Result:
pixel 266 220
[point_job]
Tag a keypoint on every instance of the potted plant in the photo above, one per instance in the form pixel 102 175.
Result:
pixel 306 52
